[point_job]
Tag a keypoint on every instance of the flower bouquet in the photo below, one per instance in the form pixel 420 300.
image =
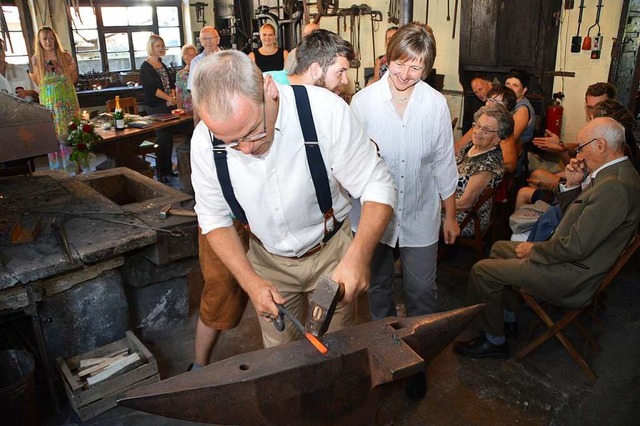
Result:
pixel 81 138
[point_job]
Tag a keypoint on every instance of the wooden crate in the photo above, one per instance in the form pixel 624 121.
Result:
pixel 94 400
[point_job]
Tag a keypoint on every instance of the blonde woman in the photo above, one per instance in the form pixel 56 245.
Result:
pixel 269 57
pixel 189 52
pixel 159 97
pixel 56 73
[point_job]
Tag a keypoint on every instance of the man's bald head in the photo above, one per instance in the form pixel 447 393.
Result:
pixel 309 28
pixel 210 39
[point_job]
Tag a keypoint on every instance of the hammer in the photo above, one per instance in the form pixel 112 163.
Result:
pixel 164 212
pixel 322 305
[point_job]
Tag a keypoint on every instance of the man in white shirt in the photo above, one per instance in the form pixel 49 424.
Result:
pixel 15 79
pixel 293 243
pixel 210 41
pixel 411 124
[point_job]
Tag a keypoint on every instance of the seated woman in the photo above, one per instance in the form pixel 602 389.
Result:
pixel 504 96
pixel 480 162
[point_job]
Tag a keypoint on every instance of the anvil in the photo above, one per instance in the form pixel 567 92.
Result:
pixel 295 384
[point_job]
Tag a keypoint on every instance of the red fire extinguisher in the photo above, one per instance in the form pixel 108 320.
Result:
pixel 553 114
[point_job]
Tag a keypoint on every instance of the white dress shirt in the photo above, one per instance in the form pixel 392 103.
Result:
pixel 418 149
pixel 17 76
pixel 276 190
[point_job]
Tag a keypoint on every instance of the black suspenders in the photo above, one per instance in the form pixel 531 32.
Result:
pixel 314 159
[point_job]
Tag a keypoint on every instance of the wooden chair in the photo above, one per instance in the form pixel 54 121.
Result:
pixel 476 242
pixel 130 106
pixel 571 315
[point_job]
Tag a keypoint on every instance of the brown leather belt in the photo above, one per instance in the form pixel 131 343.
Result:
pixel 312 250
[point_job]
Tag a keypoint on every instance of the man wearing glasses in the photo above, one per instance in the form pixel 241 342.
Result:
pixel 292 242
pixel 596 225
pixel 210 40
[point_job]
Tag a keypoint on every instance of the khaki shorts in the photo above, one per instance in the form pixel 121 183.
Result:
pixel 223 301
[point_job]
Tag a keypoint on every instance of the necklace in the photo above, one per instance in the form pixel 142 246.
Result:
pixel 401 100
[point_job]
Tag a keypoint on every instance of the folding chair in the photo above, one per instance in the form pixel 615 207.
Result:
pixel 476 242
pixel 571 315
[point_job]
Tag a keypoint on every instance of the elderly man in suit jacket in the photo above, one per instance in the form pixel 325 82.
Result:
pixel 600 218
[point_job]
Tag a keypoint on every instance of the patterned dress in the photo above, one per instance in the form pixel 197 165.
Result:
pixel 490 161
pixel 182 78
pixel 58 93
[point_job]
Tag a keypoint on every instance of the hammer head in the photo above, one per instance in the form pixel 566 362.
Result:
pixel 164 212
pixel 322 305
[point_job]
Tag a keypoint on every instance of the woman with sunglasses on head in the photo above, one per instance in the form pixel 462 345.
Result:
pixel 55 71
pixel 159 97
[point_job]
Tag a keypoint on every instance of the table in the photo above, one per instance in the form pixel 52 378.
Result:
pixel 121 145
pixel 98 98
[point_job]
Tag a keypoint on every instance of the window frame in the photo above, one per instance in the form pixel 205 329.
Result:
pixel 129 30
pixel 24 20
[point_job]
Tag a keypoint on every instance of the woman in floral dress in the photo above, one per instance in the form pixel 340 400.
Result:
pixel 56 73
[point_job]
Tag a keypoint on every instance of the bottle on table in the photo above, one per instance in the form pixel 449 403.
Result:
pixel 118 116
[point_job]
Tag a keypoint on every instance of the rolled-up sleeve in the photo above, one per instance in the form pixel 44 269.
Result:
pixel 211 207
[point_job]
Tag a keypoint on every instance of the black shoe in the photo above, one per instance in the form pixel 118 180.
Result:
pixel 163 179
pixel 173 173
pixel 511 329
pixel 416 386
pixel 481 348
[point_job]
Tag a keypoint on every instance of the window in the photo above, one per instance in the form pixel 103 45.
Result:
pixel 115 38
pixel 15 45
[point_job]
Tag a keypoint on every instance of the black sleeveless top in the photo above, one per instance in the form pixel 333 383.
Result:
pixel 273 62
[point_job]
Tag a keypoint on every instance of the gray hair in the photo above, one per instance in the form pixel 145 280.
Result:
pixel 186 47
pixel 610 130
pixel 220 77
pixel 501 115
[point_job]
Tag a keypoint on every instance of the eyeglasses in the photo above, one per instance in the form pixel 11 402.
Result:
pixel 249 138
pixel 484 129
pixel 495 100
pixel 579 148
pixel 209 38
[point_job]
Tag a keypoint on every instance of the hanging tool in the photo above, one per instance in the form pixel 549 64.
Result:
pixel 586 43
pixel 279 324
pixel 455 18
pixel 293 384
pixel 448 7
pixel 576 41
pixel 426 19
pixel 597 40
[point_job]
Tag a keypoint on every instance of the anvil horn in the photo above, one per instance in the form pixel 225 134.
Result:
pixel 294 384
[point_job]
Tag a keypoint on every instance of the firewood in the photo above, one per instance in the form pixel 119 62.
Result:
pixel 114 368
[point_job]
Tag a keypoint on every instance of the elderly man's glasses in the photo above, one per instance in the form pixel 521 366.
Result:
pixel 209 38
pixel 579 148
pixel 484 129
